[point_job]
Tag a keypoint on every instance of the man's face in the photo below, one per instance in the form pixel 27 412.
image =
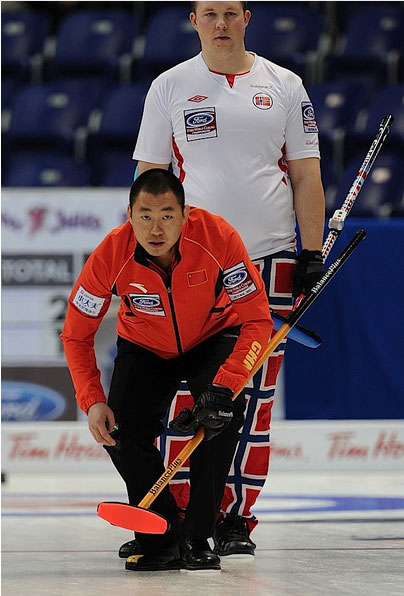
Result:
pixel 220 25
pixel 157 221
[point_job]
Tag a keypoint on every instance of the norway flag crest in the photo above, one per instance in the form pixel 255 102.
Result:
pixel 263 101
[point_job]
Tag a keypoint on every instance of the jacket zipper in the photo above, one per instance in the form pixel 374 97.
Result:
pixel 175 323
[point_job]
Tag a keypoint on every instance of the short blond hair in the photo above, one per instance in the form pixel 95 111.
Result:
pixel 193 6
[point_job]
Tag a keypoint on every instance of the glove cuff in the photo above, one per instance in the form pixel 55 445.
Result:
pixel 307 256
pixel 220 389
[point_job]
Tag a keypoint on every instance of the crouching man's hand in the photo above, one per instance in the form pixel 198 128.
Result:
pixel 213 410
pixel 101 421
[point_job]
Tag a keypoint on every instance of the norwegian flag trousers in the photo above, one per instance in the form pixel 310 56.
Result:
pixel 250 466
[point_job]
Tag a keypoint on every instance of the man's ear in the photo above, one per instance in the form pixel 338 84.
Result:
pixel 192 18
pixel 185 212
pixel 128 211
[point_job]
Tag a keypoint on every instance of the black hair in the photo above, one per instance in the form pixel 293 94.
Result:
pixel 157 181
pixel 193 6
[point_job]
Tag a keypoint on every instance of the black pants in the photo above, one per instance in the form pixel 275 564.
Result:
pixel 142 388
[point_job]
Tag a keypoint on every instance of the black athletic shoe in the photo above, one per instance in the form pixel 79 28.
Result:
pixel 129 548
pixel 232 537
pixel 167 559
pixel 197 555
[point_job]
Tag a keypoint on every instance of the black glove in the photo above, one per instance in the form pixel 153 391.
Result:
pixel 309 270
pixel 183 423
pixel 213 409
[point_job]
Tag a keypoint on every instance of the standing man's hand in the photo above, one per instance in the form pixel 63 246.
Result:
pixel 309 270
pixel 101 421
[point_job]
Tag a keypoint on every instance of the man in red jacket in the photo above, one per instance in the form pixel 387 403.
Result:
pixel 193 307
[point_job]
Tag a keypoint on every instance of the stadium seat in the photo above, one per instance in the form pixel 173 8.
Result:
pixel 398 210
pixel 169 39
pixel 373 37
pixel 45 170
pixel 23 35
pixel 346 12
pixel 337 105
pixel 400 68
pixel 114 138
pixel 121 110
pixel 328 165
pixel 93 42
pixel 49 116
pixel 9 87
pixel 382 191
pixel 388 100
pixel 287 35
pixel 119 175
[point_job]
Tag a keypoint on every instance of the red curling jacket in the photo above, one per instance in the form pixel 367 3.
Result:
pixel 213 285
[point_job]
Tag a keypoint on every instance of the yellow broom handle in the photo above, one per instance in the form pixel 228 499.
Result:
pixel 183 455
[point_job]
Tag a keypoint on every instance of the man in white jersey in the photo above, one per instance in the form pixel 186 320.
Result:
pixel 240 133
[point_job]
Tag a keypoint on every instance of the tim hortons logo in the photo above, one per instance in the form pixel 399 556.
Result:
pixel 29 447
pixel 252 356
pixel 344 445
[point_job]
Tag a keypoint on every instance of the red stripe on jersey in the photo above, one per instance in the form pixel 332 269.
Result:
pixel 282 163
pixel 180 161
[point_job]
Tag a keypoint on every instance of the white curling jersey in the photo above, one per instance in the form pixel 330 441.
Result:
pixel 229 143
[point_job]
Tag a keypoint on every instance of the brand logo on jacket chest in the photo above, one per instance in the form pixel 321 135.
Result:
pixel 149 304
pixel 200 123
pixel 238 282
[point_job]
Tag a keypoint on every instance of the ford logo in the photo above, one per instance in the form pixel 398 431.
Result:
pixel 23 401
pixel 234 279
pixel 201 119
pixel 146 302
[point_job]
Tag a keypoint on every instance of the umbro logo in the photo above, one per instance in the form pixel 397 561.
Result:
pixel 198 98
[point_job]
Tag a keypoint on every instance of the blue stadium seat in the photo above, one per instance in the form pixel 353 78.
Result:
pixel 400 68
pixel 115 137
pixel 23 35
pixel 328 165
pixel 9 87
pixel 398 210
pixel 285 34
pixel 387 100
pixel 382 191
pixel 49 116
pixel 373 36
pixel 93 42
pixel 122 109
pixel 119 175
pixel 169 39
pixel 337 105
pixel 45 170
pixel 345 12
